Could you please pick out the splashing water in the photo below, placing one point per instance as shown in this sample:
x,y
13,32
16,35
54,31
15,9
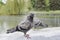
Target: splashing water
x,y
4,27
42,34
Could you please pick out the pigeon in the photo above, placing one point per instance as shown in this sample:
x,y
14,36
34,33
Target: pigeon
x,y
24,26
27,24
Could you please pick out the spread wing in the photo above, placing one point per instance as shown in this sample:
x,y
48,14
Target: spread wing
x,y
39,24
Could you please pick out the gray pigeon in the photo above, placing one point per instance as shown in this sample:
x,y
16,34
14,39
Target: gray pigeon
x,y
24,26
27,24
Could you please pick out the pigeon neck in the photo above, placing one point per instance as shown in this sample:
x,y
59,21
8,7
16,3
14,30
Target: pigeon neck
x,y
30,19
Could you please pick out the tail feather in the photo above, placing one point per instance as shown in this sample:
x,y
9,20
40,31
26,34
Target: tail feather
x,y
11,30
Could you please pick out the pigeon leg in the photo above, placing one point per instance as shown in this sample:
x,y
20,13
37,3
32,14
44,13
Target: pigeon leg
x,y
27,36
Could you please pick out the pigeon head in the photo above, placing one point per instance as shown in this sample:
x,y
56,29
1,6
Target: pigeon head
x,y
30,17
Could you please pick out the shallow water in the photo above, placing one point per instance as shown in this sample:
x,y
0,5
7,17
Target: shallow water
x,y
7,22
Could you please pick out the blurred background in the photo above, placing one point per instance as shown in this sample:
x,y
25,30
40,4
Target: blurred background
x,y
12,12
